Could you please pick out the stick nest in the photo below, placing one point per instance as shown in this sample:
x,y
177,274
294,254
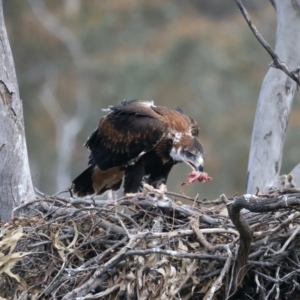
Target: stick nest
x,y
152,246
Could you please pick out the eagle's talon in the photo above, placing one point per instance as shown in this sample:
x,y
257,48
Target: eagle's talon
x,y
132,195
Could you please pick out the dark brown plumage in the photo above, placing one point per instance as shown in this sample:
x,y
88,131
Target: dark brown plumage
x,y
141,142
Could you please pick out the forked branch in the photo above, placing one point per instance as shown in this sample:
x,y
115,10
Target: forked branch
x,y
276,62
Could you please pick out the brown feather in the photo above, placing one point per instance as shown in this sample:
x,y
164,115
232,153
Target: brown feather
x,y
105,180
124,133
176,120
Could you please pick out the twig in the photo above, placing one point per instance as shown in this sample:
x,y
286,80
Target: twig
x,y
123,226
78,292
130,219
296,284
173,253
218,283
276,63
177,233
192,268
287,276
32,202
277,284
97,259
179,195
49,288
271,291
195,226
289,220
269,278
101,294
259,286
288,241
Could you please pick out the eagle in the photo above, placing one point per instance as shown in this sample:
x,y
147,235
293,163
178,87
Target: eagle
x,y
138,142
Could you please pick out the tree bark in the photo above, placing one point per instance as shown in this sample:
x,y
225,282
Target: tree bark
x,y
15,180
275,101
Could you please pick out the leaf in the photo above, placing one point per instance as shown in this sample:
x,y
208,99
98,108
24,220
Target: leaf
x,y
57,244
130,288
7,262
11,239
194,245
79,255
17,277
44,235
181,246
75,236
161,271
173,272
140,270
35,293
130,276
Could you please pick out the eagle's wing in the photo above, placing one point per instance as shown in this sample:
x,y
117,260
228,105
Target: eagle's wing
x,y
124,134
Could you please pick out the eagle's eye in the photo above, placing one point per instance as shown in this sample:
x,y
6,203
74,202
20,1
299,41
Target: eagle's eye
x,y
188,153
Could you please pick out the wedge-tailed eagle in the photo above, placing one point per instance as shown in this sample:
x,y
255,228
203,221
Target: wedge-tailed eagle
x,y
138,142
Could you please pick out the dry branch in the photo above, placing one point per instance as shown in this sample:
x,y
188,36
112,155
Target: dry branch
x,y
276,62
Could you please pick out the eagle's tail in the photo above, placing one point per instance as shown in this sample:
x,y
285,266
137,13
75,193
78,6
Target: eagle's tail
x,y
83,184
95,181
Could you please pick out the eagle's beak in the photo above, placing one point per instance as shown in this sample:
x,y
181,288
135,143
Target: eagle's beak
x,y
198,164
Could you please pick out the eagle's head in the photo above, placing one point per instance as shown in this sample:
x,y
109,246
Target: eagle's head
x,y
188,149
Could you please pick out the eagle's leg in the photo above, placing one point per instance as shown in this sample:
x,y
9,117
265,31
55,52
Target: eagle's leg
x,y
160,177
133,178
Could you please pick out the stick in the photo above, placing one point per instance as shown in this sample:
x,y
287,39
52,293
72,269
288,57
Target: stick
x,y
288,241
186,278
276,63
218,283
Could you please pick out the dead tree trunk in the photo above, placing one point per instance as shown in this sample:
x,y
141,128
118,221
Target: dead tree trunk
x,y
275,101
15,180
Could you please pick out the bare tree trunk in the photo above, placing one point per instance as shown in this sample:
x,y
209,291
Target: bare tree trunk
x,y
275,101
15,180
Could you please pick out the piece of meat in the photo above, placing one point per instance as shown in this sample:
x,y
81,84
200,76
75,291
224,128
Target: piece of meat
x,y
197,176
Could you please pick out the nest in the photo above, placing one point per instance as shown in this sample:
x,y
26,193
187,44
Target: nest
x,y
152,246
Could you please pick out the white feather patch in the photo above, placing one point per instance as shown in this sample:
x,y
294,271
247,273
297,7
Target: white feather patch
x,y
176,154
106,109
149,103
190,131
176,136
142,153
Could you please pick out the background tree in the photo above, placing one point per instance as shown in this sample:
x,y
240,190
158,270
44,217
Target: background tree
x,y
15,180
275,101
